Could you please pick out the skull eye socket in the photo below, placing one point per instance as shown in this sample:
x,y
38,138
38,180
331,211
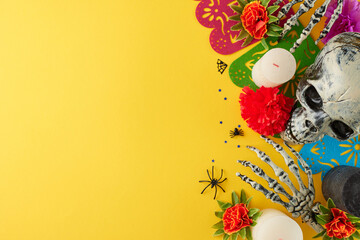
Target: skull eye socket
x,y
341,130
312,98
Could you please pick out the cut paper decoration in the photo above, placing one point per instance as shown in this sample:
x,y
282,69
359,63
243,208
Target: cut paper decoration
x,y
328,153
213,181
337,223
255,19
240,69
215,14
221,66
348,21
236,218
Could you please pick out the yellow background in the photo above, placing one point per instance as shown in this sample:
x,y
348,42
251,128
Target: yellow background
x,y
110,115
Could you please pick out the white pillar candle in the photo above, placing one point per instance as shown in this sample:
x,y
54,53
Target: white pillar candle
x,y
276,67
275,225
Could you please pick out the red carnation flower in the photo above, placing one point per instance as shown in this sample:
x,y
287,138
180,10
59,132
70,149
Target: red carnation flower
x,y
265,111
235,218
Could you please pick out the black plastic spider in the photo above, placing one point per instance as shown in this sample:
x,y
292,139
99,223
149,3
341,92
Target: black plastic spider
x,y
213,181
236,132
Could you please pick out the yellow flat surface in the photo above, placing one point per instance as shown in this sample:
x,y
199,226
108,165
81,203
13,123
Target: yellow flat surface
x,y
110,115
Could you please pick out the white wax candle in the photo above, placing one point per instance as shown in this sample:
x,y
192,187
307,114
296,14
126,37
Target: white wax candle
x,y
276,67
275,225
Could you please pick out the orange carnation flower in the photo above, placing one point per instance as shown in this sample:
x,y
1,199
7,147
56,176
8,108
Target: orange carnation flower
x,y
340,227
254,18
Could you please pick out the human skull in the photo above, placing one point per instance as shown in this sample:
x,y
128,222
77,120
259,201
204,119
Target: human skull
x,y
329,94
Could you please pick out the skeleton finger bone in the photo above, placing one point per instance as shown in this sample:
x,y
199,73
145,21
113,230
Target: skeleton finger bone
x,y
307,171
304,7
272,182
286,8
279,172
315,18
333,18
289,162
268,194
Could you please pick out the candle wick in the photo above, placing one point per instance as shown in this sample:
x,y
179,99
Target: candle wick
x,y
276,65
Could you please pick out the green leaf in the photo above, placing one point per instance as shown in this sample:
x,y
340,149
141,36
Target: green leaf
x,y
219,214
356,235
226,237
324,210
247,42
272,9
220,203
263,42
218,225
253,224
234,198
275,28
242,3
326,237
326,217
248,201
264,2
226,206
243,194
243,34
237,27
235,17
357,225
320,220
272,19
248,234
223,205
252,211
320,234
237,8
353,218
331,203
272,33
243,233
234,236
256,216
219,232
351,238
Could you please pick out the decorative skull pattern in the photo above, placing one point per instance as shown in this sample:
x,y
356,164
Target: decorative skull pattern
x,y
329,94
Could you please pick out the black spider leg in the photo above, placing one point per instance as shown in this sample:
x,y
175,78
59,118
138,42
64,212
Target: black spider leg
x,y
221,187
222,180
221,175
208,174
215,191
205,188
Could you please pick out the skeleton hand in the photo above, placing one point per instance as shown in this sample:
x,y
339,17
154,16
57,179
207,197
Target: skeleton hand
x,y
315,18
301,201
